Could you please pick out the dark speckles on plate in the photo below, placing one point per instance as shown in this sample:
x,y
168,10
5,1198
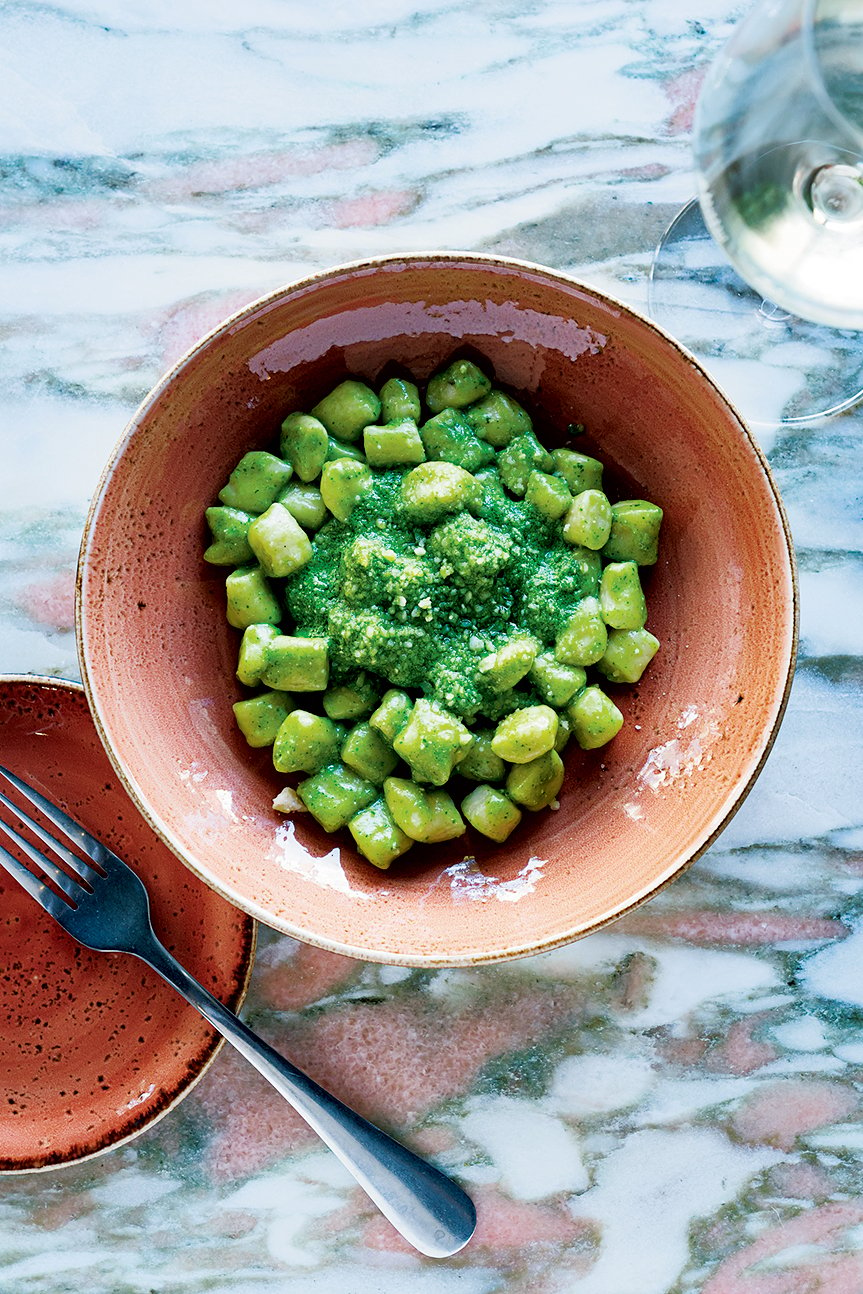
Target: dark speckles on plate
x,y
92,1050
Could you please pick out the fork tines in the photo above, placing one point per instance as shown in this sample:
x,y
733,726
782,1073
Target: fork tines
x,y
83,873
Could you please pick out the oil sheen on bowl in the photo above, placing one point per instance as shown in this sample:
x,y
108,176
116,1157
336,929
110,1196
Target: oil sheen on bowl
x,y
159,658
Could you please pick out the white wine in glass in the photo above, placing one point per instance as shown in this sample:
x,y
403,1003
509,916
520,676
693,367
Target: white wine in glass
x,y
779,157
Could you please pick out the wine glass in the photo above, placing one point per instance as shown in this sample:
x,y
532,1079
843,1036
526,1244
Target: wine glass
x,y
763,276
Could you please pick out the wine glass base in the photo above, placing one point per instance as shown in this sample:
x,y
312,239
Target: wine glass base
x,y
775,367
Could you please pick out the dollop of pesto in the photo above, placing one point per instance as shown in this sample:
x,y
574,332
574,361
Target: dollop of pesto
x,y
422,605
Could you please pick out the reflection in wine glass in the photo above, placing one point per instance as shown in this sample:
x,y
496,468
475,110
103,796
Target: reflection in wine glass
x,y
763,277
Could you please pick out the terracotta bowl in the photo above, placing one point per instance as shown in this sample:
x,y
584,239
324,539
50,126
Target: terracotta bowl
x,y
94,1048
159,658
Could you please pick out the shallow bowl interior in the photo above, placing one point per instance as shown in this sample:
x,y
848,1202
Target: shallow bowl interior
x,y
159,658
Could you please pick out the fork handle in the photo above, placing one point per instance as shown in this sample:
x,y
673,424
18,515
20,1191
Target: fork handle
x,y
424,1205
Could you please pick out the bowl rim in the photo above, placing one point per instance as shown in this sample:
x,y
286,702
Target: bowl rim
x,y
429,258
213,1048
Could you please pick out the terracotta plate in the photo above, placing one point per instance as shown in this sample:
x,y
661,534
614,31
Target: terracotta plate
x,y
95,1047
159,658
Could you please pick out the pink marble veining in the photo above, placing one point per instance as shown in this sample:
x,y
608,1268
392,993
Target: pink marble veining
x,y
669,1107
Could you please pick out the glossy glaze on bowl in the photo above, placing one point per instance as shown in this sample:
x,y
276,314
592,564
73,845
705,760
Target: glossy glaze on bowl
x,y
95,1047
159,658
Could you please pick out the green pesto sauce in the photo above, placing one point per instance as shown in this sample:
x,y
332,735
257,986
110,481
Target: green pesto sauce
x,y
420,606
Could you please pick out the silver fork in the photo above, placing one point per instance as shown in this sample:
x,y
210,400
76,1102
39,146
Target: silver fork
x,y
108,910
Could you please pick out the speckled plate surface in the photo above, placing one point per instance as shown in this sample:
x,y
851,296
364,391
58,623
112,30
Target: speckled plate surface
x,y
95,1047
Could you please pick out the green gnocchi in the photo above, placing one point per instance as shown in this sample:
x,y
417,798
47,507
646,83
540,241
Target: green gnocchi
x,y
423,590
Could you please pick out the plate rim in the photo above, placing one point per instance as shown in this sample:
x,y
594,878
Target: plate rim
x,y
213,1048
789,575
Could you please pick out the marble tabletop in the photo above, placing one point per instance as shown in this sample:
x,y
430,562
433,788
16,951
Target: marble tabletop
x,y
673,1105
